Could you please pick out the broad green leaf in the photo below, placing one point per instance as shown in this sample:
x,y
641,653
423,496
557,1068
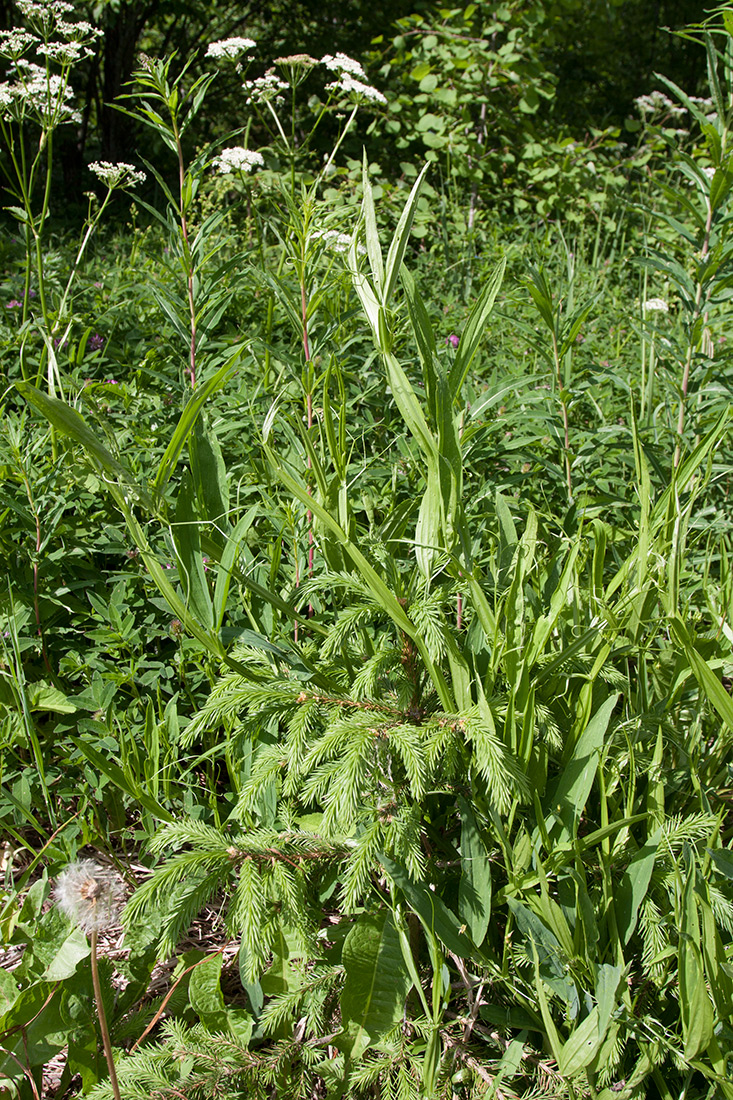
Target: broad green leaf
x,y
204,992
431,909
474,329
706,678
723,860
9,990
474,889
74,948
607,983
696,1007
43,696
581,1047
71,423
373,246
209,476
401,236
579,772
410,408
550,958
190,563
634,885
427,528
227,561
376,983
188,419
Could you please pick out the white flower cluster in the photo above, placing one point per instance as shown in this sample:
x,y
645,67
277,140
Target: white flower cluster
x,y
350,86
657,103
66,53
36,92
264,87
117,175
656,305
13,44
237,159
709,172
231,48
78,30
44,12
89,895
343,64
338,242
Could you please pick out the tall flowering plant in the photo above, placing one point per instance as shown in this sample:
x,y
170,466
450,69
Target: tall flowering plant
x,y
36,98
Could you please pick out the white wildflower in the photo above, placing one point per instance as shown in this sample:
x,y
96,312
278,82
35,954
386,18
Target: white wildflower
x,y
44,12
355,87
237,159
89,895
37,92
343,64
296,60
658,103
709,172
66,53
117,175
231,48
656,305
79,30
338,242
15,43
264,87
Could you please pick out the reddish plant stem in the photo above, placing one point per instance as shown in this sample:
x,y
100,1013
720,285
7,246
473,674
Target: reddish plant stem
x,y
102,1017
309,421
189,267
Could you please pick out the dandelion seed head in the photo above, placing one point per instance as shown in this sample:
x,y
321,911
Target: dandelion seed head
x,y
89,895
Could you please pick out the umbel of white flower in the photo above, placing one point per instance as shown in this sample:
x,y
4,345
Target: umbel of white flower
x,y
231,48
237,159
37,93
89,895
117,175
340,63
656,305
348,84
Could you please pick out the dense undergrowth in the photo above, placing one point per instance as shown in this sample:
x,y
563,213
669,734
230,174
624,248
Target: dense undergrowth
x,y
368,608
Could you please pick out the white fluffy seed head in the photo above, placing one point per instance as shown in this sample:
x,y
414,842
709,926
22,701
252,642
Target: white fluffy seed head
x,y
89,895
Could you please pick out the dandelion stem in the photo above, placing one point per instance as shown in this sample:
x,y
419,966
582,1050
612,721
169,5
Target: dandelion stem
x,y
102,1017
